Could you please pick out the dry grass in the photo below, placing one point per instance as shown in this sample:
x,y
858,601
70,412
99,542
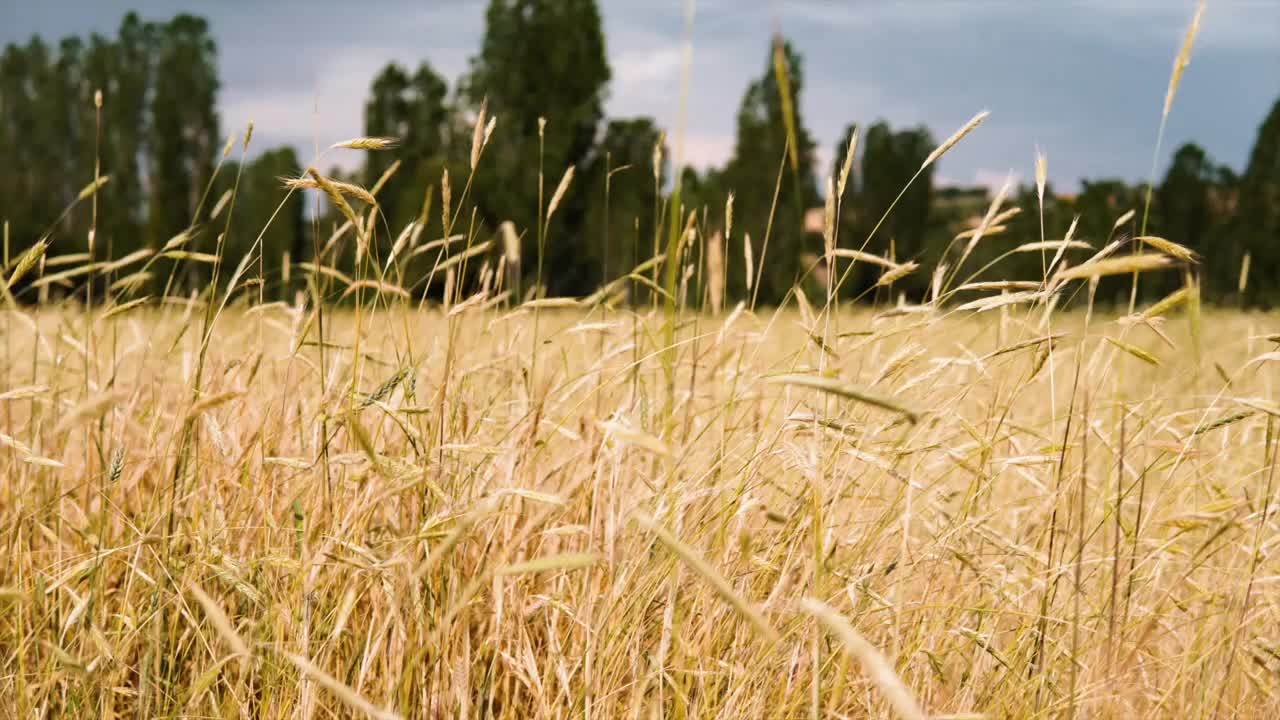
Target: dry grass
x,y
215,553
216,507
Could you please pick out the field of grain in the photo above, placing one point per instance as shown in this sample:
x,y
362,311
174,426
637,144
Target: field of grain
x,y
462,498
548,512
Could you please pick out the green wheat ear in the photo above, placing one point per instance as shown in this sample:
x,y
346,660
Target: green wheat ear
x,y
299,523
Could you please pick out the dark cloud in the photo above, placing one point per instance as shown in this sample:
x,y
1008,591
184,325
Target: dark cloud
x,y
1085,81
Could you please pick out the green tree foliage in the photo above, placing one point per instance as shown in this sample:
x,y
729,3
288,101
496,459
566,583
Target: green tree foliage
x,y
413,110
1259,217
1185,197
994,258
890,159
1100,205
1191,202
61,104
117,224
264,208
46,137
184,138
540,59
127,123
1026,228
49,135
32,158
620,223
159,142
386,114
752,175
707,193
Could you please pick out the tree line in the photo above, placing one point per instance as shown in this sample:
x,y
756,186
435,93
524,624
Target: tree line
x,y
542,71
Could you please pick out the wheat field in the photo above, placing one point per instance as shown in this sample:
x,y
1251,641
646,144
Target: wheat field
x,y
536,512
1006,501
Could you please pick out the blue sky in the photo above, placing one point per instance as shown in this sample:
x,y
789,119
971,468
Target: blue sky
x,y
1085,81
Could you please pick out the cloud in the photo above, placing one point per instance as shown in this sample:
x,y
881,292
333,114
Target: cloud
x,y
1238,25
704,150
646,67
1085,80
993,180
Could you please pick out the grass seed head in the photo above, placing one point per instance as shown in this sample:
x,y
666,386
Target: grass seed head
x,y
1042,174
561,189
847,166
1183,59
365,143
956,137
478,135
1168,247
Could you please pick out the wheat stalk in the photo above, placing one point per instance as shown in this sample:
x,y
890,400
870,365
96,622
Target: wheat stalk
x,y
956,137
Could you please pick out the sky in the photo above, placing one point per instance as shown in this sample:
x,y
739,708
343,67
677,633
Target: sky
x,y
1084,81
